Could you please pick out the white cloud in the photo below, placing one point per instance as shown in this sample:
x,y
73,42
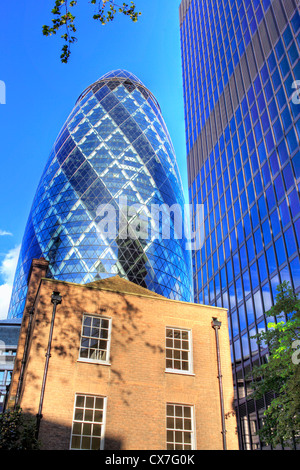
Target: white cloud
x,y
5,294
7,272
4,232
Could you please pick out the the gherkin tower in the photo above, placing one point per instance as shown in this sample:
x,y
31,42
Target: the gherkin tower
x,y
113,145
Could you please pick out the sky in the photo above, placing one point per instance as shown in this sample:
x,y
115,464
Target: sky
x,y
40,93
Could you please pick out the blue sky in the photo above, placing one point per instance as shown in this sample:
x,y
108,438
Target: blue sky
x,y
41,92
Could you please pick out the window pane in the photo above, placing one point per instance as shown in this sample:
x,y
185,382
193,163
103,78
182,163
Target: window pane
x,y
250,311
271,259
280,251
295,269
262,268
95,443
290,241
77,428
80,400
89,403
75,444
79,414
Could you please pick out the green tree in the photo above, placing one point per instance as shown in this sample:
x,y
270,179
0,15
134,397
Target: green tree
x,y
17,431
104,12
281,373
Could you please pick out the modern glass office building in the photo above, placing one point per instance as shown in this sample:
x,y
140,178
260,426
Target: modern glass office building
x,y
240,69
113,151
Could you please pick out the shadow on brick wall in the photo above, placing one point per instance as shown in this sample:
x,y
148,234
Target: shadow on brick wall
x,y
66,344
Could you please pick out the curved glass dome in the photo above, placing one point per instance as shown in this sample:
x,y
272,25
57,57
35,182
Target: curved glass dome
x,y
114,144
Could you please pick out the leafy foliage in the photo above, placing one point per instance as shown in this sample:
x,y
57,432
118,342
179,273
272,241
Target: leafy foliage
x,y
281,374
105,12
17,431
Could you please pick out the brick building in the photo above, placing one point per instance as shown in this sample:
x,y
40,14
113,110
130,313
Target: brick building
x,y
111,365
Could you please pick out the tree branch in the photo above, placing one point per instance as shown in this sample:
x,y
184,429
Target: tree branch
x,y
63,18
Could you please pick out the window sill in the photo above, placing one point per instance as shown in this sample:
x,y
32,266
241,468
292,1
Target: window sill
x,y
180,372
94,361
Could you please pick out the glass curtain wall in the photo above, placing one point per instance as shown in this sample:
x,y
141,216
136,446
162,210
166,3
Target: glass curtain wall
x,y
240,69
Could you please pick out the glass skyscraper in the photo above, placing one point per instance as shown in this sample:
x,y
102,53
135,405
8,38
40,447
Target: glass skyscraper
x,y
240,69
114,145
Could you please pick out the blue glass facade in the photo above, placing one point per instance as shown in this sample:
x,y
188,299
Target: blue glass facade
x,y
114,144
240,64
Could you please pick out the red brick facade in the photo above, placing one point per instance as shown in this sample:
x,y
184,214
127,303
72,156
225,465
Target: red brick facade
x,y
134,381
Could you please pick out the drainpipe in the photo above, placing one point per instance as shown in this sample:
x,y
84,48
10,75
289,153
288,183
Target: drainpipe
x,y
216,325
24,359
55,300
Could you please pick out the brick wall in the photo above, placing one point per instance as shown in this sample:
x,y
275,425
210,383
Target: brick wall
x,y
135,382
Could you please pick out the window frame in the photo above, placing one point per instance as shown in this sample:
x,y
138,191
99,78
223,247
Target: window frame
x,y
103,423
108,339
190,370
193,425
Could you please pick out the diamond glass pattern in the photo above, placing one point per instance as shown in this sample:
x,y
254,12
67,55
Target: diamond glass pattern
x,y
114,143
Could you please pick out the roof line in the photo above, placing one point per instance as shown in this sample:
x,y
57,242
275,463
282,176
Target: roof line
x,y
122,79
156,297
